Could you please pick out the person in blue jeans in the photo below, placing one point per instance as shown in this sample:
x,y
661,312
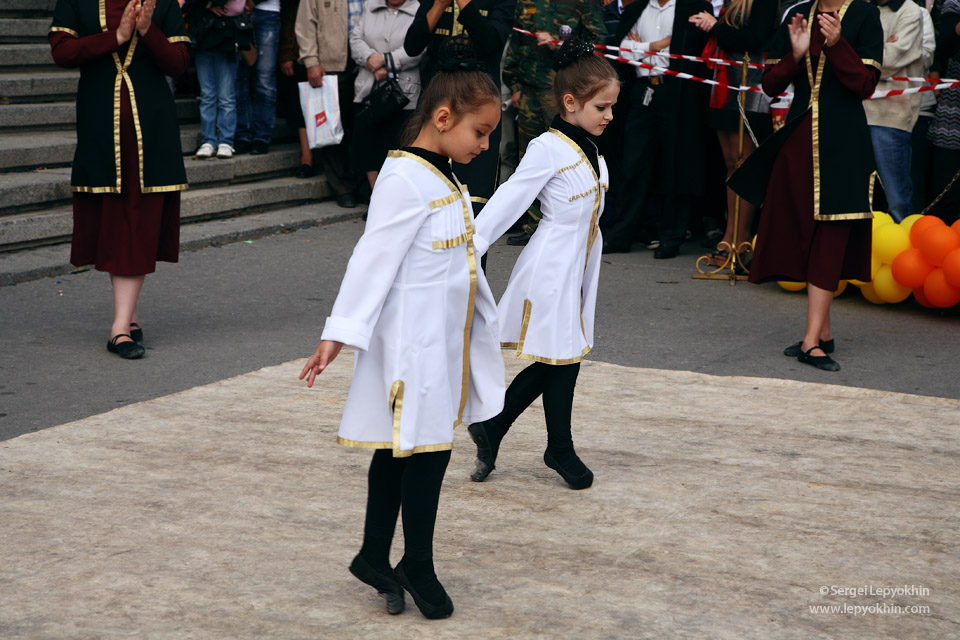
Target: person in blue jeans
x,y
257,105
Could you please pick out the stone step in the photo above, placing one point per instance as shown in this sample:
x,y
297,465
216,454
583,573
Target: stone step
x,y
63,115
25,57
55,225
41,189
24,8
34,149
20,30
40,86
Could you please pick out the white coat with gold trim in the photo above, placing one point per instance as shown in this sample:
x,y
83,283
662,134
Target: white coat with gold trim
x,y
419,312
547,312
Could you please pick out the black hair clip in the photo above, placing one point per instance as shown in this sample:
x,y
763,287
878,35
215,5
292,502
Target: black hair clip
x,y
572,50
458,54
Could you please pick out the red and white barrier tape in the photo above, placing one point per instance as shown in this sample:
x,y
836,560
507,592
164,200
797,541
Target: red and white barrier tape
x,y
903,92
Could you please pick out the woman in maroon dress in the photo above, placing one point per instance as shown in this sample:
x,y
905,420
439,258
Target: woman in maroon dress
x,y
813,175
128,166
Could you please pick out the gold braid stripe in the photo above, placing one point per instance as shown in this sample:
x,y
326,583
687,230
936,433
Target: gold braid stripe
x,y
65,30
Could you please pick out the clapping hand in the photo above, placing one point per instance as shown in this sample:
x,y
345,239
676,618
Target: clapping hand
x,y
145,15
128,22
830,26
799,36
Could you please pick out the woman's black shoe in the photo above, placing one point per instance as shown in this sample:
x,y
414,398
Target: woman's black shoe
x,y
386,585
428,609
487,437
576,479
347,201
136,334
825,363
127,350
794,350
305,171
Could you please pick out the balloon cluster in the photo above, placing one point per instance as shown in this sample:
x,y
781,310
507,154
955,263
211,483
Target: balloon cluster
x,y
920,255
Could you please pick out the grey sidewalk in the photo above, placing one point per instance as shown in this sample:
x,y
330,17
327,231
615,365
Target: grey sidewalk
x,y
227,511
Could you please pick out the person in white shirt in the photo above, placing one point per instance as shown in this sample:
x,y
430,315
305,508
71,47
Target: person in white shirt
x,y
421,317
664,137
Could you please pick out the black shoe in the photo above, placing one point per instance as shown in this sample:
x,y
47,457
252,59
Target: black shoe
x,y
576,480
519,240
305,171
127,350
487,437
825,363
259,148
429,610
386,585
609,247
347,201
794,350
241,147
665,253
136,334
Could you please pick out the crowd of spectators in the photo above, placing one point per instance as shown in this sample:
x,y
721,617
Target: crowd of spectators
x,y
673,142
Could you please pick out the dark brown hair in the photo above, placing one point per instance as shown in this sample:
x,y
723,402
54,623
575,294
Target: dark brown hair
x,y
464,91
583,79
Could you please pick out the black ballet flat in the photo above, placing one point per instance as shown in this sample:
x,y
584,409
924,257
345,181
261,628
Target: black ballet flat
x,y
136,334
826,363
486,450
794,350
582,481
429,610
386,585
126,350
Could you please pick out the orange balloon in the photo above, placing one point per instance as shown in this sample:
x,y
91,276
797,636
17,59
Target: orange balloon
x,y
911,269
922,225
921,298
956,226
936,242
938,290
951,268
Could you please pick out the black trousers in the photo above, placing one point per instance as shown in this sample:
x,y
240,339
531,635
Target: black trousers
x,y
556,384
650,152
412,483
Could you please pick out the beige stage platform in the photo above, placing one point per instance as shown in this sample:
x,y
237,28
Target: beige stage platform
x,y
722,508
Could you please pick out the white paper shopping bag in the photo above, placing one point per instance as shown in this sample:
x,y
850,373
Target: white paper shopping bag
x,y
321,112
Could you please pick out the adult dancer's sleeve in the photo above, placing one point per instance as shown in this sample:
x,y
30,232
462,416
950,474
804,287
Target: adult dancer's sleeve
x,y
166,41
514,196
396,213
857,64
780,69
68,49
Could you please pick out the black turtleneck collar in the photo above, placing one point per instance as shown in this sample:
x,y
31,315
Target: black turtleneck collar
x,y
581,137
440,161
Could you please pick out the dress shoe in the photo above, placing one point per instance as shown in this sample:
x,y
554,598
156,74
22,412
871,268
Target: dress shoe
x,y
136,333
794,350
443,606
576,478
259,148
241,147
665,253
386,585
519,240
347,201
128,350
305,171
610,247
487,436
825,363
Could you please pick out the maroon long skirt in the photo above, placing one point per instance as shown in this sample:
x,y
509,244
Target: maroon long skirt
x,y
127,233
791,245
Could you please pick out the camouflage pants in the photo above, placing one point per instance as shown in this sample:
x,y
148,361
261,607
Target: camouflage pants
x,y
534,115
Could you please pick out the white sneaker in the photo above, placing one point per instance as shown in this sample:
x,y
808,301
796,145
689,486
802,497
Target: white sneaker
x,y
205,151
224,151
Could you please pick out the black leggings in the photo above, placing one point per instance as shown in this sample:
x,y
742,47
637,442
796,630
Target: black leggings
x,y
556,383
413,483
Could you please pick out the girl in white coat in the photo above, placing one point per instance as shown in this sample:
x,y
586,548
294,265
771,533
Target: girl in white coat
x,y
422,319
546,313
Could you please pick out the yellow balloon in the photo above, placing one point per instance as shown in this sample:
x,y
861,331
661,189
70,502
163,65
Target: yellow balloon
x,y
875,265
792,286
907,223
881,218
889,241
841,288
888,289
870,294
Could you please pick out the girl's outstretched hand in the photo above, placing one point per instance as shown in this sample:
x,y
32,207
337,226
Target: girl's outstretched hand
x,y
324,355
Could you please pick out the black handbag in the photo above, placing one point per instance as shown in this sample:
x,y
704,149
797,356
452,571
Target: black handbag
x,y
386,98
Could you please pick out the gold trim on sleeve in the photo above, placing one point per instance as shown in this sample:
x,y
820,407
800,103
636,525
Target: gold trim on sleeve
x,y
872,63
65,30
772,61
175,39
